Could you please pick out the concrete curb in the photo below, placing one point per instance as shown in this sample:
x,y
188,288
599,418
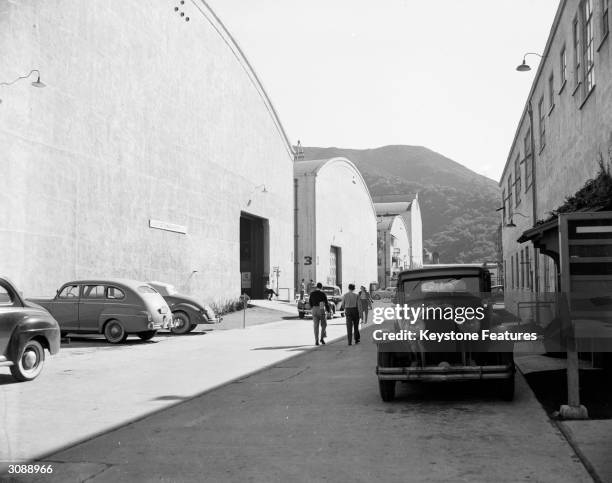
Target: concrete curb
x,y
569,437
45,456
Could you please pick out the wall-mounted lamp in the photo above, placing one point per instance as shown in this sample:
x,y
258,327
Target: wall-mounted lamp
x,y
36,83
511,223
524,67
264,190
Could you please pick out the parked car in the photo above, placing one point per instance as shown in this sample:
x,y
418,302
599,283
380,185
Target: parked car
x,y
334,296
113,307
449,359
26,330
187,312
384,293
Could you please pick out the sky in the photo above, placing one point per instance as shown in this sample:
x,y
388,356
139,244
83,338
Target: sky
x,y
368,73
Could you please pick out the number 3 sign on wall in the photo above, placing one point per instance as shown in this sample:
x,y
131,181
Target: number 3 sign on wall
x,y
307,260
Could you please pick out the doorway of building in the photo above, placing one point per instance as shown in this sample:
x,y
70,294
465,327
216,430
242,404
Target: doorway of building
x,y
335,266
254,250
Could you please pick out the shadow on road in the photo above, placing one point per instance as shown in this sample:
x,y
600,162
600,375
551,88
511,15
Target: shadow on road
x,y
101,342
6,379
279,347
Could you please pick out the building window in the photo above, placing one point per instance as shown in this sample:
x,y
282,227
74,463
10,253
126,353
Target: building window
x,y
589,47
527,269
510,197
551,92
563,66
516,267
576,41
504,206
512,270
505,275
522,271
528,159
517,180
541,125
605,19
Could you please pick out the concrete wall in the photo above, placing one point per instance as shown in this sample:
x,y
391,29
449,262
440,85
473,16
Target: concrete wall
x,y
335,209
145,116
578,129
416,234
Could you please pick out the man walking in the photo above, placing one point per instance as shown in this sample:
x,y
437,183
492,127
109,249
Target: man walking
x,y
350,301
320,307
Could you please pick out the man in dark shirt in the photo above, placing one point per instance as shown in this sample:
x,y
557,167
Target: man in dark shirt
x,y
320,307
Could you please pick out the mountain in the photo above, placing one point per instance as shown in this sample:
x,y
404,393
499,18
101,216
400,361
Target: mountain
x,y
457,204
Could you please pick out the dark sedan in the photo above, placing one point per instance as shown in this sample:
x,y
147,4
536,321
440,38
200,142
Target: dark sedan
x,y
26,330
187,312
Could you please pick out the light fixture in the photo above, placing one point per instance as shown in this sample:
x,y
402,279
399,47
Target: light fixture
x,y
36,83
264,190
511,224
524,66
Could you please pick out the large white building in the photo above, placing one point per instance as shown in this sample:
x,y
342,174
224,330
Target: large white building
x,y
400,237
335,224
153,152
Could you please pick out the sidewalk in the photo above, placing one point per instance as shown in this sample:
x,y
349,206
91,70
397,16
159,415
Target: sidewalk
x,y
591,439
83,392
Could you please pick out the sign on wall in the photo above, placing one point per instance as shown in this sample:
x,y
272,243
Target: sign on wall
x,y
245,279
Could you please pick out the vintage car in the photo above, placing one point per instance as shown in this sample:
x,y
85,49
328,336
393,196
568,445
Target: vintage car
x,y
456,355
334,296
113,307
187,312
26,330
384,293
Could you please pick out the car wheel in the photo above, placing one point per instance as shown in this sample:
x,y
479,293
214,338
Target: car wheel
x,y
301,315
148,335
114,332
387,390
182,324
30,362
505,388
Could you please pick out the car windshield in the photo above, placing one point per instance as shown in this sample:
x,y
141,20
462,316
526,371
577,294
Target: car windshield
x,y
459,284
328,290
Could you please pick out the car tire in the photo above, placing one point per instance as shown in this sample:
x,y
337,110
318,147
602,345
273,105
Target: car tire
x,y
387,390
505,388
147,335
182,323
114,332
301,315
30,362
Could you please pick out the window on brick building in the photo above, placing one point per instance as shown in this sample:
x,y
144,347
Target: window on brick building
x,y
563,66
589,46
551,92
528,159
605,18
577,53
510,209
517,180
541,124
522,271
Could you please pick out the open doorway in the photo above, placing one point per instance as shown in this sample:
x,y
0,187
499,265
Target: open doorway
x,y
335,266
254,252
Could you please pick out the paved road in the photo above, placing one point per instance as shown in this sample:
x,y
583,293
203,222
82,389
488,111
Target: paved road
x,y
92,386
318,417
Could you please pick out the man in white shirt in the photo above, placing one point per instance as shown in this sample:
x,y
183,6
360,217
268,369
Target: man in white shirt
x,y
350,301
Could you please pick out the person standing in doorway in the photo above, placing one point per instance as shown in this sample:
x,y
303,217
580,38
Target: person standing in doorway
x,y
365,304
350,301
302,289
320,308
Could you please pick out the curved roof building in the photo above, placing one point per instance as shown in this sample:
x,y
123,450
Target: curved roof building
x,y
153,153
335,224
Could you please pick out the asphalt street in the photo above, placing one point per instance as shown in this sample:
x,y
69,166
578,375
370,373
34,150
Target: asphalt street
x,y
318,417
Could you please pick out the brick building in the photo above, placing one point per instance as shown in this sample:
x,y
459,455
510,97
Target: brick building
x,y
563,133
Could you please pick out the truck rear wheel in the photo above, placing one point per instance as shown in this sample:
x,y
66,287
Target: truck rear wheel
x,y
387,390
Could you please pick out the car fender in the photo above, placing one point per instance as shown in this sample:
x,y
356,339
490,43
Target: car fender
x,y
46,331
131,317
195,314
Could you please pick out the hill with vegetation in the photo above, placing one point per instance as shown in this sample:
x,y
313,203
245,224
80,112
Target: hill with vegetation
x,y
457,204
